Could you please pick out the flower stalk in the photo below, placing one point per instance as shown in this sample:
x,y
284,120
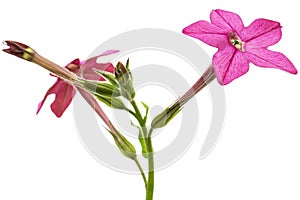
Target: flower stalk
x,y
207,77
27,53
171,111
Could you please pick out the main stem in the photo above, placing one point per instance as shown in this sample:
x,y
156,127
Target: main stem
x,y
142,123
150,188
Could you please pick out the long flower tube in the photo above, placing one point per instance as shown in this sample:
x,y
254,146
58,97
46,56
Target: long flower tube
x,y
27,53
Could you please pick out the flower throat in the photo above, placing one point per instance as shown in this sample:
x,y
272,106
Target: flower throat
x,y
236,41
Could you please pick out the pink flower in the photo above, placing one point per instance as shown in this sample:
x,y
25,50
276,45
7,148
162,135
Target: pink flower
x,y
238,45
65,92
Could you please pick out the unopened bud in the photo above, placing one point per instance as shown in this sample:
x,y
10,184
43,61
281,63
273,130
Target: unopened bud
x,y
124,78
20,50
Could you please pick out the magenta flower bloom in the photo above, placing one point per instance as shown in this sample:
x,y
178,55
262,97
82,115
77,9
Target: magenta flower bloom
x,y
65,92
238,45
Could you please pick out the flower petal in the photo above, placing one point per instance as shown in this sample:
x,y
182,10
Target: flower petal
x,y
228,21
221,61
229,64
259,28
264,40
86,67
64,94
89,73
74,66
271,59
207,33
108,52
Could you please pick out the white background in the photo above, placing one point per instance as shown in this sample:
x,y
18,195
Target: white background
x,y
41,157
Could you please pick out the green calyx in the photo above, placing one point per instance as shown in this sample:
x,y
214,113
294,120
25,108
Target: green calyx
x,y
101,88
166,116
113,102
126,148
105,92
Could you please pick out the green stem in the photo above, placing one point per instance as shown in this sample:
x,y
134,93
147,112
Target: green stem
x,y
131,112
137,112
142,172
150,186
142,123
139,118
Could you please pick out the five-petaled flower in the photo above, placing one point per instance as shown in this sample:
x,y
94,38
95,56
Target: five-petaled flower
x,y
238,45
65,92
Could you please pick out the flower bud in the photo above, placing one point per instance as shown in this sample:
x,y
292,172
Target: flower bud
x,y
124,79
20,50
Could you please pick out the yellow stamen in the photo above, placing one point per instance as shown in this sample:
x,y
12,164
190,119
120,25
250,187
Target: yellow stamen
x,y
236,41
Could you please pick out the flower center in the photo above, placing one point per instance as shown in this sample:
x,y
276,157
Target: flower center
x,y
236,41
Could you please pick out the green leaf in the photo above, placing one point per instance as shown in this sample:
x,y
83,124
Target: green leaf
x,y
142,141
147,111
107,75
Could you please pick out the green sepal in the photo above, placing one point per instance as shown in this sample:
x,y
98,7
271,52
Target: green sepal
x,y
126,148
107,90
165,117
113,102
127,65
101,88
107,75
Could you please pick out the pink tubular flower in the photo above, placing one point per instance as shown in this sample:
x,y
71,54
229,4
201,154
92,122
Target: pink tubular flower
x,y
65,92
238,45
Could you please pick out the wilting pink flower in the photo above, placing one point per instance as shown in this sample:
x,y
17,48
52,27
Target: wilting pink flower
x,y
238,45
65,92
